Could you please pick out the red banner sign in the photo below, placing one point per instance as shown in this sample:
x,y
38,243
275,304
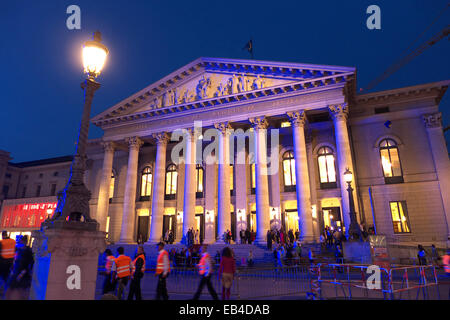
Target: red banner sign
x,y
29,215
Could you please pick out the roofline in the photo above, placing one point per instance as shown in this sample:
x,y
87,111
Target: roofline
x,y
41,162
430,85
202,60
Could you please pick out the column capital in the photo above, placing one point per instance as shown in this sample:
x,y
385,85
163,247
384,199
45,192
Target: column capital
x,y
432,120
134,142
259,122
223,127
338,111
108,146
162,138
297,118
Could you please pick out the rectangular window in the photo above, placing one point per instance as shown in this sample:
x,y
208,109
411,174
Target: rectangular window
x,y
5,191
231,179
38,191
400,217
53,189
24,191
252,178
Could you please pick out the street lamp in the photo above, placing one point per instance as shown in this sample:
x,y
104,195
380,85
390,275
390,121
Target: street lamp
x,y
73,201
354,227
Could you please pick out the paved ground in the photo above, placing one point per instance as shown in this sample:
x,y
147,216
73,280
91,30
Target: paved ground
x,y
293,284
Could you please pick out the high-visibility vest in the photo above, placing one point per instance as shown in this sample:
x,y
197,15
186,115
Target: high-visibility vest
x,y
123,266
8,248
134,264
446,262
108,264
160,262
202,264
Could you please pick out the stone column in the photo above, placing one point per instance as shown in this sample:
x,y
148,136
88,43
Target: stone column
x,y
224,215
189,182
298,120
129,198
103,193
433,125
260,125
339,114
210,199
158,188
240,192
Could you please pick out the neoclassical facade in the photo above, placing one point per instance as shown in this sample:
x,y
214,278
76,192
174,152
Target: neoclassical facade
x,y
170,157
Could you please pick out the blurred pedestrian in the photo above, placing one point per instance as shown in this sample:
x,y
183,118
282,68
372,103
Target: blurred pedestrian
x,y
421,255
121,271
205,271
19,281
7,253
162,272
108,284
137,274
227,270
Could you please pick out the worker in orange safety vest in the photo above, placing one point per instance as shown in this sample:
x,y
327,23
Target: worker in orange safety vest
x,y
122,271
205,271
162,271
108,284
7,253
137,273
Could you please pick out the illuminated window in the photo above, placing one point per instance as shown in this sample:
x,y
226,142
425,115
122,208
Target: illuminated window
x,y
390,161
289,171
199,181
252,178
285,124
327,170
146,183
171,182
231,179
111,186
400,217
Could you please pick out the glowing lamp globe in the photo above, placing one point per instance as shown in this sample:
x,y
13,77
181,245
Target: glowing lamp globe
x,y
94,56
348,176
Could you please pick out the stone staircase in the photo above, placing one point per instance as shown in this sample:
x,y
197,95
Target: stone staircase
x,y
261,255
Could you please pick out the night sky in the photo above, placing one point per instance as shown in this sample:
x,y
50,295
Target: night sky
x,y
41,98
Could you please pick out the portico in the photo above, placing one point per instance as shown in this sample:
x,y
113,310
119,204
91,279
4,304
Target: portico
x,y
225,96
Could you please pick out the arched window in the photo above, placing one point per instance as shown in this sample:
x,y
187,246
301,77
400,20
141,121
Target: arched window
x,y
289,171
390,161
199,181
111,186
171,182
146,183
327,169
252,178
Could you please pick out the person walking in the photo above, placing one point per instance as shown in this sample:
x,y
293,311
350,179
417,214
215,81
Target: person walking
x,y
205,271
196,237
137,273
162,272
108,284
227,270
7,253
434,256
19,282
421,255
121,271
269,240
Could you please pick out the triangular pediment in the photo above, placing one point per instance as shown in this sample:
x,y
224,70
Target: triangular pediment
x,y
207,78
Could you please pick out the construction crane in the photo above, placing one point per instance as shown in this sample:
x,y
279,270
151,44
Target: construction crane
x,y
392,69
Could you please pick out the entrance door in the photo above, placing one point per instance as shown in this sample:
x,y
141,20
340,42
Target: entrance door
x,y
332,218
251,218
200,226
291,220
233,226
142,232
169,223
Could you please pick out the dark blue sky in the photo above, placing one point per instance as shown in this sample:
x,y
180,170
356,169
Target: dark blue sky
x,y
41,61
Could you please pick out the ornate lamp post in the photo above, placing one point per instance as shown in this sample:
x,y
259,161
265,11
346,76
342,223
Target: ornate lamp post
x,y
73,201
67,246
354,229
